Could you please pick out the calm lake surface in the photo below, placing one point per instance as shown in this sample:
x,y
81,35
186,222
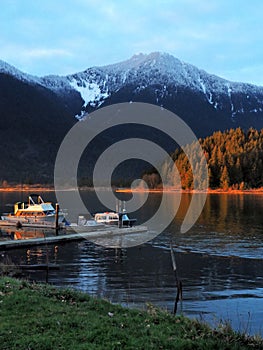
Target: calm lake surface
x,y
219,260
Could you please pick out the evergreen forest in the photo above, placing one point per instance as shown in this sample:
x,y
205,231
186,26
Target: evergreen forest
x,y
234,161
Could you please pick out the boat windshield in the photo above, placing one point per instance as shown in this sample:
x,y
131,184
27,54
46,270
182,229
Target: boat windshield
x,y
34,199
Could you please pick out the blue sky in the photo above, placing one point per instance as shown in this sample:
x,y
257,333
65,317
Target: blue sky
x,y
224,37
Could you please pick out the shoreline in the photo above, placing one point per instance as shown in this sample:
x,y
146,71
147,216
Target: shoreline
x,y
26,188
48,188
209,191
71,319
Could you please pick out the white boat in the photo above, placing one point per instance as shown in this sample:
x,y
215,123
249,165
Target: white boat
x,y
35,212
84,224
113,218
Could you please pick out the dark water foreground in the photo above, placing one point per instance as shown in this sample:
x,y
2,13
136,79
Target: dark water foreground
x,y
220,263
214,288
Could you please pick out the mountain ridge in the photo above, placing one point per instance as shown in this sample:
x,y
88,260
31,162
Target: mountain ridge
x,y
96,84
48,105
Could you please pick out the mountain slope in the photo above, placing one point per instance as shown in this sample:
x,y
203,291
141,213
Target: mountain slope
x,y
33,122
37,112
162,79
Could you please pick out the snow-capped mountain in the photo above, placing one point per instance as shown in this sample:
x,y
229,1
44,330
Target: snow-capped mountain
x,y
166,76
31,106
162,77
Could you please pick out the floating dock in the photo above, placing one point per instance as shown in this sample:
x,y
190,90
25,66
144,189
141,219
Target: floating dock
x,y
93,235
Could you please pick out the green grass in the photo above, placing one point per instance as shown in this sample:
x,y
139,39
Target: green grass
x,y
34,316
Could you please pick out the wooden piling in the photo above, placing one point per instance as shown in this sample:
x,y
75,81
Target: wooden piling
x,y
57,212
179,294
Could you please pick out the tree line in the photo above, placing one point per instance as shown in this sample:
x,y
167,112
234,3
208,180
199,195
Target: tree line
x,y
234,160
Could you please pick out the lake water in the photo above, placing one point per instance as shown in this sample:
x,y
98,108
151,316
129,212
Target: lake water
x,y
219,261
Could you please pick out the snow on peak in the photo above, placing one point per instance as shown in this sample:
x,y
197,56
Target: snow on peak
x,y
7,68
11,70
161,71
143,61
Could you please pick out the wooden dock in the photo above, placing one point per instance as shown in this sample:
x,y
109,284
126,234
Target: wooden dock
x,y
108,233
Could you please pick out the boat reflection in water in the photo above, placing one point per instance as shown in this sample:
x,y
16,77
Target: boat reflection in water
x,y
14,233
21,234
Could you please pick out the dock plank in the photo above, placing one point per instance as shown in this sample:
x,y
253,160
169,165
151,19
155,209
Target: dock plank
x,y
109,232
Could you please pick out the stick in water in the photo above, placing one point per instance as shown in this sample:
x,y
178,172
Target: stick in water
x,y
179,295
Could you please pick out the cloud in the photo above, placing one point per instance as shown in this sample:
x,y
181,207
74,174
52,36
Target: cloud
x,y
217,36
23,53
44,52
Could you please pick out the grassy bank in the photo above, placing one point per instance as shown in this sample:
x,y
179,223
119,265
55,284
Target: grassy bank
x,y
34,316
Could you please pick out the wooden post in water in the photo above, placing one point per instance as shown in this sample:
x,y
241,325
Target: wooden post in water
x,y
120,214
120,220
56,224
47,263
178,282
